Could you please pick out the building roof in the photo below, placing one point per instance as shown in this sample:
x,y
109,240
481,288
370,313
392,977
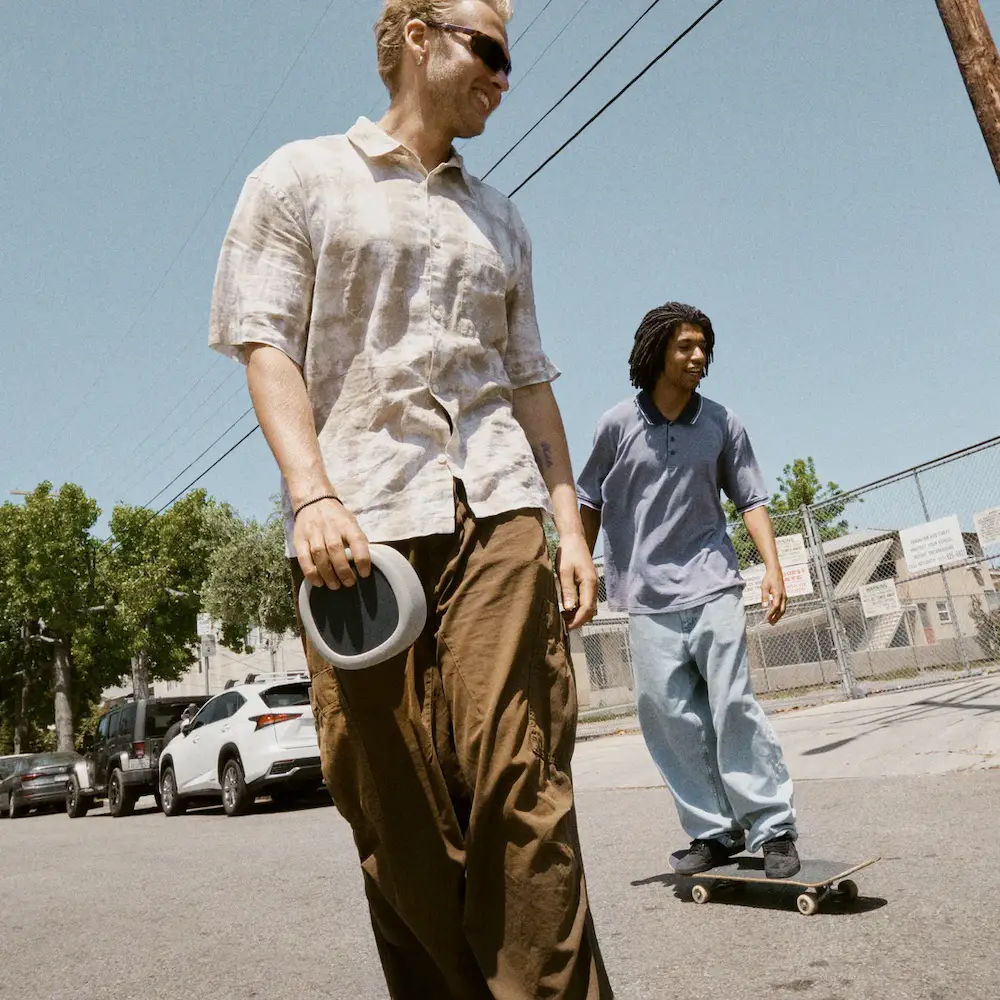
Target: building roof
x,y
856,539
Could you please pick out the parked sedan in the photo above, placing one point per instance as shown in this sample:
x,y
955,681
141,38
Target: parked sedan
x,y
38,779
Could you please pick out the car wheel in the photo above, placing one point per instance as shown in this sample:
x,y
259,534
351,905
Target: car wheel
x,y
77,804
236,798
170,801
15,811
121,798
158,799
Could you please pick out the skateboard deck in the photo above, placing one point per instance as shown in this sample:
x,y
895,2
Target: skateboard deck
x,y
820,879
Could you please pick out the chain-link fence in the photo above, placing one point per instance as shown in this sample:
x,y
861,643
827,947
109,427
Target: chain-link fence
x,y
893,583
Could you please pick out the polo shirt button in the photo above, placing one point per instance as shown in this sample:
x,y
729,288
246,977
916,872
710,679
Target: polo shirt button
x,y
437,244
442,459
437,312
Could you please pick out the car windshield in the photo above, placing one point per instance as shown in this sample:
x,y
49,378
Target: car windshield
x,y
50,760
160,717
286,695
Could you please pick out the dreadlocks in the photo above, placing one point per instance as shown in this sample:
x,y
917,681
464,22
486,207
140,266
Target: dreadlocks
x,y
648,353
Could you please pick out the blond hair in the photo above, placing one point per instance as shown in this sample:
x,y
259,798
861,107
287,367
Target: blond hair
x,y
391,26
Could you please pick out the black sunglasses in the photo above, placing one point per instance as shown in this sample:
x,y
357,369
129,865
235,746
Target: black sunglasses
x,y
489,50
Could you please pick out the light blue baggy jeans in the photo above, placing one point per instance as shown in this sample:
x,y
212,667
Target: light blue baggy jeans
x,y
710,739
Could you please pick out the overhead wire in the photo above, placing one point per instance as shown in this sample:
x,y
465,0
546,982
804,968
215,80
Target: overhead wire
x,y
149,470
156,496
604,55
593,118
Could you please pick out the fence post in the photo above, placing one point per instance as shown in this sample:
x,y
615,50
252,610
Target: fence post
x,y
826,593
955,623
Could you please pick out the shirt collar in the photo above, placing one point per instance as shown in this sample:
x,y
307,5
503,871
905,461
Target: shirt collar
x,y
373,142
689,415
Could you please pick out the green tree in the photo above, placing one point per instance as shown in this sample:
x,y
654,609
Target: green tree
x,y
47,585
249,586
156,570
798,485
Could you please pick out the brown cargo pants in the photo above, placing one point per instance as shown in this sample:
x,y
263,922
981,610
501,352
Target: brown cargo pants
x,y
451,764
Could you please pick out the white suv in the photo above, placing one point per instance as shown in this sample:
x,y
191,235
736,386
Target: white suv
x,y
256,738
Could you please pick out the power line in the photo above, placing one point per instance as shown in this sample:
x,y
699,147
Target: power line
x,y
201,475
607,52
159,423
547,5
159,285
249,409
521,77
151,466
590,121
562,31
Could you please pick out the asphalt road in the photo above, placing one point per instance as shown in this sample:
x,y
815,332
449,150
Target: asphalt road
x,y
270,905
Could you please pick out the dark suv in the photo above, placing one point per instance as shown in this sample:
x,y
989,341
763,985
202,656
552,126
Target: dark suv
x,y
121,762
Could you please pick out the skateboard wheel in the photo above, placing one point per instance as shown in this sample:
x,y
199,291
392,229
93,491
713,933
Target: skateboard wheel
x,y
807,904
700,894
848,890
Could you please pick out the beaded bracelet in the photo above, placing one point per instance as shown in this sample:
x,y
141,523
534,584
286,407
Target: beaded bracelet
x,y
309,503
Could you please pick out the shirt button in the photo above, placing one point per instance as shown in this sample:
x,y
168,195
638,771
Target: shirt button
x,y
437,312
437,244
442,459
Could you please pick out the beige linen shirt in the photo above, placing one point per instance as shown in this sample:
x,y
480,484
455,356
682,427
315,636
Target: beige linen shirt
x,y
406,298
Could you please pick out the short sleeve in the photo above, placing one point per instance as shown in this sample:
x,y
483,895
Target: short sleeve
x,y
264,280
739,473
524,360
590,484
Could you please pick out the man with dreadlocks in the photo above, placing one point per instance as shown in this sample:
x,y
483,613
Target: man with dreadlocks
x,y
653,479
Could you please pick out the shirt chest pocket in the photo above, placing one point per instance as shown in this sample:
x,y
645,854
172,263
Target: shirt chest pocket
x,y
482,295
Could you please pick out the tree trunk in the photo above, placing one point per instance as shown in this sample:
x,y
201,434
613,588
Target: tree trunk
x,y
63,704
140,675
21,714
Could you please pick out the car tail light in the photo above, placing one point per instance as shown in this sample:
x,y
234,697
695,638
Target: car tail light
x,y
273,718
32,777
139,750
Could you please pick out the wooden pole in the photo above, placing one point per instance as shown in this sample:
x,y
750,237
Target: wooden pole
x,y
979,63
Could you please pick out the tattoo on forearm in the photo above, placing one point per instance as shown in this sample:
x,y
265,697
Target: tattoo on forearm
x,y
546,449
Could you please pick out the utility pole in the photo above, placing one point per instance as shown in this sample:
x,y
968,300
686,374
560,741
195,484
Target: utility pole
x,y
977,57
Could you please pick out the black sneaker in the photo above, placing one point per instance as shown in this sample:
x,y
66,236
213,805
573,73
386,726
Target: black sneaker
x,y
781,859
705,854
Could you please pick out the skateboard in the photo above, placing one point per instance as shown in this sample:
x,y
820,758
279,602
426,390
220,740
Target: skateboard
x,y
821,880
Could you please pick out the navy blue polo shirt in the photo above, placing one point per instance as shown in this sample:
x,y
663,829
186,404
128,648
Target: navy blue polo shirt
x,y
657,484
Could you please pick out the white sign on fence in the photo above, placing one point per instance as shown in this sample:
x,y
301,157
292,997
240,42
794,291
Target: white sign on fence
x,y
792,551
937,543
987,524
798,581
754,577
879,598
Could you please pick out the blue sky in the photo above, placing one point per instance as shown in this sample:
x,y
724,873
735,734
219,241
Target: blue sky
x,y
809,173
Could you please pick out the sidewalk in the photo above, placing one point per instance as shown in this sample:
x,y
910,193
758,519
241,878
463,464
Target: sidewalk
x,y
924,731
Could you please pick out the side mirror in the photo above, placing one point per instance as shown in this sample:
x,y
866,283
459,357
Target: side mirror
x,y
186,727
